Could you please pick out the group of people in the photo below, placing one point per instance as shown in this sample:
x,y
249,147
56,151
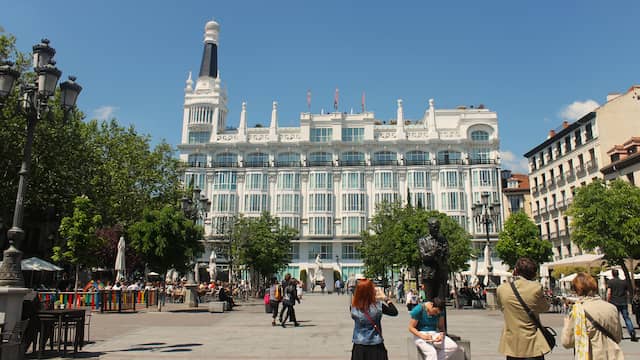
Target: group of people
x,y
287,292
591,328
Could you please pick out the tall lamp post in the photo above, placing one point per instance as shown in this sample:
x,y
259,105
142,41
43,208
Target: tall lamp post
x,y
194,208
34,95
488,213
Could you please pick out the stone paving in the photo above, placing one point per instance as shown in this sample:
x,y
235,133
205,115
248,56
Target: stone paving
x,y
246,333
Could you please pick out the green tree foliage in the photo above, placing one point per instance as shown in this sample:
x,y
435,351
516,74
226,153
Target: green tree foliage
x,y
262,244
559,271
520,238
79,235
394,234
166,239
607,216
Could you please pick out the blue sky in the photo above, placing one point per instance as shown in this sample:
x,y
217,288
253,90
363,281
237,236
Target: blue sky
x,y
534,63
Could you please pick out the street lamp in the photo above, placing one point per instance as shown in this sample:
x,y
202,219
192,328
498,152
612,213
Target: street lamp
x,y
34,95
487,213
196,209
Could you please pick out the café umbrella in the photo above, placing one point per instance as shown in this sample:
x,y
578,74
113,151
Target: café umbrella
x,y
120,260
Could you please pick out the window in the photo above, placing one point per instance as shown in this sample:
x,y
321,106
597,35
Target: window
x,y
451,179
256,203
354,202
542,162
323,180
516,203
257,159
290,221
453,200
321,202
479,135
419,179
353,225
353,180
321,135
588,132
320,225
385,158
195,180
567,144
485,177
461,220
288,203
352,158
222,225
199,137
386,180
257,181
578,137
226,159
225,180
320,158
325,250
550,154
197,160
288,181
294,253
558,149
353,135
388,198
225,202
592,156
422,200
449,157
349,251
289,159
480,156
417,158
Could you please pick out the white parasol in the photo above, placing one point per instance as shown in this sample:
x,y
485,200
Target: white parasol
x,y
196,273
487,259
120,261
474,272
212,266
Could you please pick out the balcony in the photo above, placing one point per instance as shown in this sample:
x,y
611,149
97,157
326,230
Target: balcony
x,y
352,163
562,204
255,164
543,210
551,183
553,235
449,161
592,166
225,164
319,163
481,161
570,175
412,162
535,212
552,207
534,189
197,164
560,180
563,233
382,162
288,164
580,170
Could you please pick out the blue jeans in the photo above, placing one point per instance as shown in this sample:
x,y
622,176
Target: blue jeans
x,y
623,309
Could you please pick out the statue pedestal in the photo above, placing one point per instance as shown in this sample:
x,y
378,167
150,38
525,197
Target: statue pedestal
x,y
492,299
11,305
191,297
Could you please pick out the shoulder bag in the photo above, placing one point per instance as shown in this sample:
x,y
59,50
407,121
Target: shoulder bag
x,y
548,333
375,326
600,327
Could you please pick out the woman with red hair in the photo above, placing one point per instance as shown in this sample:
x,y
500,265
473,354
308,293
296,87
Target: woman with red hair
x,y
367,307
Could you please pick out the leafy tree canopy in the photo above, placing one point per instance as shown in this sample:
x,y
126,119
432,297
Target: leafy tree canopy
x,y
520,238
79,235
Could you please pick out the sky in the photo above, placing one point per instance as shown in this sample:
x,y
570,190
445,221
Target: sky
x,y
534,63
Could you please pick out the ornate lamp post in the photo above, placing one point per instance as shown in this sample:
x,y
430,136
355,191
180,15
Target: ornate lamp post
x,y
488,213
194,208
34,104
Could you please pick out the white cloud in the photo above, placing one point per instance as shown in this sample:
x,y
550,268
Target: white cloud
x,y
105,112
578,109
513,162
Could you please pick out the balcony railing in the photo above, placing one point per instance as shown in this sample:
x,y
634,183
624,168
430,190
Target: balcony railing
x,y
591,166
288,163
197,164
552,207
256,164
535,212
534,189
412,162
563,232
352,163
449,162
319,163
543,210
384,162
550,183
481,161
580,170
570,175
559,179
562,204
553,235
225,164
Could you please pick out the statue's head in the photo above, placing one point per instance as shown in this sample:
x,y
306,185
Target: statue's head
x,y
434,226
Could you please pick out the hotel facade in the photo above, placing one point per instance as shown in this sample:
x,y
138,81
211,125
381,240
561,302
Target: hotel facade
x,y
325,176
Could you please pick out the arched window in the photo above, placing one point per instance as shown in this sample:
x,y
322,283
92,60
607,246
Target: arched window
x,y
385,158
226,159
417,157
479,135
320,159
197,160
352,158
257,160
448,157
288,159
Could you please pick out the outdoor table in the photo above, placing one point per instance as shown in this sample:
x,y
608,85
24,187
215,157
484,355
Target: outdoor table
x,y
63,316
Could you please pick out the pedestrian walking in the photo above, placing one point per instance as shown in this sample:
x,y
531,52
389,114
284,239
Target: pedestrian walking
x,y
400,291
593,328
283,285
412,299
338,286
617,292
427,327
367,306
288,303
635,305
521,338
275,297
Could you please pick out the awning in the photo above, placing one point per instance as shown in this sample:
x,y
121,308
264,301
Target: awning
x,y
37,264
568,278
579,260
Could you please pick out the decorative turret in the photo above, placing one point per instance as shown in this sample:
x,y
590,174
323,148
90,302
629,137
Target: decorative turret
x,y
273,126
209,65
242,127
400,121
430,121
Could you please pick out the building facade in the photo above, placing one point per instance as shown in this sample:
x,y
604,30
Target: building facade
x,y
516,193
570,157
624,162
325,176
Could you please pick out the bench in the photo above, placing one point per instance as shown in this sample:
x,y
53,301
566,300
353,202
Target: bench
x,y
463,344
217,306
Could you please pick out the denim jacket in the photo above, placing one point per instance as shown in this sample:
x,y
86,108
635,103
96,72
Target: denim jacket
x,y
363,331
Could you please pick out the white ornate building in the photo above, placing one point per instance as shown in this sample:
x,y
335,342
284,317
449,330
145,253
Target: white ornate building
x,y
325,176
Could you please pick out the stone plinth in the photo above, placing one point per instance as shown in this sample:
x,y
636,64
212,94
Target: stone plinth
x,y
492,299
191,297
11,305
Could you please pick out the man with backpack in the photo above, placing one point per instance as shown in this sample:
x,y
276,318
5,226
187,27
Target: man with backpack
x,y
275,297
283,285
288,302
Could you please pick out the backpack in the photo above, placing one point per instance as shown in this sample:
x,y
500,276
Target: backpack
x,y
279,293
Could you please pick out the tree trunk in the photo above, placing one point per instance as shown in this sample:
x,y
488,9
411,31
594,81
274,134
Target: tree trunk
x,y
75,288
628,276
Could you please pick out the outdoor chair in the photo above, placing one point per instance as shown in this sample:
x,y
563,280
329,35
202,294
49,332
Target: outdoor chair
x,y
73,324
47,332
87,322
13,339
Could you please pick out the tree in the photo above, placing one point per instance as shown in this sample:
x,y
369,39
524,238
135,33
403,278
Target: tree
x,y
393,236
607,217
520,238
166,239
262,244
78,231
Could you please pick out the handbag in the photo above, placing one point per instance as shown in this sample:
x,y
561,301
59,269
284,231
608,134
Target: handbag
x,y
375,326
600,328
548,333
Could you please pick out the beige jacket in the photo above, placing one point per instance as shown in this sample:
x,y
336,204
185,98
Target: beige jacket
x,y
602,348
521,337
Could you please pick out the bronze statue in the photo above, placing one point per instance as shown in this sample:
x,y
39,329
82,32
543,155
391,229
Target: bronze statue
x,y
434,251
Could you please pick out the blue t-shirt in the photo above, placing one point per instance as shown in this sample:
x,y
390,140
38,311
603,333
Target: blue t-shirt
x,y
426,322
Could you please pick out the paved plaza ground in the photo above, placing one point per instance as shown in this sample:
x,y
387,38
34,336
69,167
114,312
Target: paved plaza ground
x,y
246,333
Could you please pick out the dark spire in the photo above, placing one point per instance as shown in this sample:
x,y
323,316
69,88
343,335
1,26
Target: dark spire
x,y
209,65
